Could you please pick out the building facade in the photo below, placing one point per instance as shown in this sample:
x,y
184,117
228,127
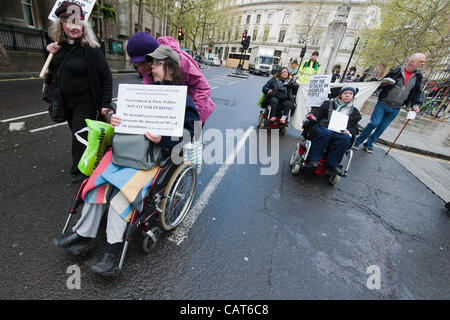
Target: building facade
x,y
290,25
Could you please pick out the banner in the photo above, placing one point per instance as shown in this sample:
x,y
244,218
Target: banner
x,y
366,89
86,5
155,108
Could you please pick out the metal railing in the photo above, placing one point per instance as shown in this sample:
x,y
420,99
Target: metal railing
x,y
22,38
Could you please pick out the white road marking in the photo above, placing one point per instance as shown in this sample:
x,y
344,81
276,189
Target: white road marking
x,y
16,126
25,116
180,233
49,127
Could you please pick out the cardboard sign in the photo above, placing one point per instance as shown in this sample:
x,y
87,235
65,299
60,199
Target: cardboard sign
x,y
338,121
318,90
86,5
411,115
156,108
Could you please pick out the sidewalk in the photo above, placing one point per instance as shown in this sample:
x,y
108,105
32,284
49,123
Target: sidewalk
x,y
423,148
29,66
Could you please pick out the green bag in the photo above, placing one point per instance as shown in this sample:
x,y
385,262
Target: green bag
x,y
100,135
260,101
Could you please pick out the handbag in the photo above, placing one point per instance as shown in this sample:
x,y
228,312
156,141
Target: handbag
x,y
53,95
135,151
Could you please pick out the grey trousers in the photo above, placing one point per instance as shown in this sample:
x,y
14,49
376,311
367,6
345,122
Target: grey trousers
x,y
90,220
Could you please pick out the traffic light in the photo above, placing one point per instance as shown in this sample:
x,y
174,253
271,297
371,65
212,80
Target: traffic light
x,y
180,33
244,38
302,54
247,42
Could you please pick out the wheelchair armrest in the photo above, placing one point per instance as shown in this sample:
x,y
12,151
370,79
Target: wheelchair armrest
x,y
166,158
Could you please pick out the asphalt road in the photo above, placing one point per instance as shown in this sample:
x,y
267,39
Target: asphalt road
x,y
256,236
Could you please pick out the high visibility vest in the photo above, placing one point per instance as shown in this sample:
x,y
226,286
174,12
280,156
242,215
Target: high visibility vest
x,y
307,70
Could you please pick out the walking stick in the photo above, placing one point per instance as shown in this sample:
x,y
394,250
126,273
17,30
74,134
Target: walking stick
x,y
397,136
46,64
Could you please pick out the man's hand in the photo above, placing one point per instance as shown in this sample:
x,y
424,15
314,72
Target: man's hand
x,y
152,137
270,92
53,47
416,109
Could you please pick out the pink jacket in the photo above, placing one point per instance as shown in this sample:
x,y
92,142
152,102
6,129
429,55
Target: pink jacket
x,y
198,87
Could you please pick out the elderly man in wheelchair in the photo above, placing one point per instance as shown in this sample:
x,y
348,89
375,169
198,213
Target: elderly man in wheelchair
x,y
278,101
324,146
137,182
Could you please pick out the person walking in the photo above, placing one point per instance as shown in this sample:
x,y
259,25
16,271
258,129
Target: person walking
x,y
85,79
309,68
401,86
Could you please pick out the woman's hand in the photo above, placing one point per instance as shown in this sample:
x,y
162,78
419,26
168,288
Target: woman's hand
x,y
115,120
53,47
152,137
269,92
346,132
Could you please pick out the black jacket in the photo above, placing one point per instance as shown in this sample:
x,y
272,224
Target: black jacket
x,y
414,95
99,74
273,84
322,115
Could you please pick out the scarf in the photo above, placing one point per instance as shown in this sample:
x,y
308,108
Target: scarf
x,y
342,106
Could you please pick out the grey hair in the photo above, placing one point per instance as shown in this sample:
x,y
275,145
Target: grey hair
x,y
415,57
56,32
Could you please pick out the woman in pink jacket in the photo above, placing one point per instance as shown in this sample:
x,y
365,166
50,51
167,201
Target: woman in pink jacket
x,y
140,44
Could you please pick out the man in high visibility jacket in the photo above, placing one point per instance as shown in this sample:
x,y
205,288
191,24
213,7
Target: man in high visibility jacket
x,y
309,68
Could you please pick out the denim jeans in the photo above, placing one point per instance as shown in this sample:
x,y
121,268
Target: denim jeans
x,y
381,118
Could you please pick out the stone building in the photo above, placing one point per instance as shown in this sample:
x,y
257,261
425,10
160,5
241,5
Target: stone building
x,y
24,24
290,25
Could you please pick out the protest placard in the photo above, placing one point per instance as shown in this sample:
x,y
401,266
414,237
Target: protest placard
x,y
86,5
155,108
318,90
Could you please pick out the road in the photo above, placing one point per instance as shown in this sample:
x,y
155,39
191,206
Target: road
x,y
253,236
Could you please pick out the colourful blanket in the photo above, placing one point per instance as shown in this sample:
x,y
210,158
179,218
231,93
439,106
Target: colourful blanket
x,y
131,183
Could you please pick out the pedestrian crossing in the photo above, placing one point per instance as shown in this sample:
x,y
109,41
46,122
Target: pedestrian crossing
x,y
223,80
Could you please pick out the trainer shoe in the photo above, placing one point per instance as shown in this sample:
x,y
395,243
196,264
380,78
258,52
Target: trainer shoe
x,y
355,146
369,150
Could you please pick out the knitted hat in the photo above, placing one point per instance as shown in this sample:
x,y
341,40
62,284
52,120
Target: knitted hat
x,y
348,89
66,10
163,52
139,45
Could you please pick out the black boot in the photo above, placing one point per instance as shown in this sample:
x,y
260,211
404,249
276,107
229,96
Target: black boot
x,y
107,265
66,239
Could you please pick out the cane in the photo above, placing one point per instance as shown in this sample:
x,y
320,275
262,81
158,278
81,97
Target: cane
x,y
397,136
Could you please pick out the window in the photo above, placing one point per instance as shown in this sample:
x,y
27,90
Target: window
x,y
258,19
277,53
236,34
255,34
27,14
266,33
248,19
287,18
282,35
239,20
233,49
269,18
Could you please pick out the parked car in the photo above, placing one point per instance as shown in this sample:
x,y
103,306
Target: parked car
x,y
187,50
212,61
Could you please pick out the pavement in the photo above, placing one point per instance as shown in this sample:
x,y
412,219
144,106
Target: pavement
x,y
422,148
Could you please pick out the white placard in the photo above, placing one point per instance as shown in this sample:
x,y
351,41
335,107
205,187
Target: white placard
x,y
86,5
338,121
318,90
156,108
411,115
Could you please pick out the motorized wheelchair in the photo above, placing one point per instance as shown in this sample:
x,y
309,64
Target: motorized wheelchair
x,y
166,204
300,153
264,121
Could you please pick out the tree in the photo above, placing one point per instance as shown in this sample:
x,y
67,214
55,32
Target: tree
x,y
406,27
309,12
108,14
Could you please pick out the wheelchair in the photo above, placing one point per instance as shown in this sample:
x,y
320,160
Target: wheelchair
x,y
264,121
300,153
165,205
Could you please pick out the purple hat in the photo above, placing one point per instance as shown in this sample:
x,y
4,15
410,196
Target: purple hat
x,y
139,45
66,10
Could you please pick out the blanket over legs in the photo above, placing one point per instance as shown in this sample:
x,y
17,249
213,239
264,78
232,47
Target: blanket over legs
x,y
124,187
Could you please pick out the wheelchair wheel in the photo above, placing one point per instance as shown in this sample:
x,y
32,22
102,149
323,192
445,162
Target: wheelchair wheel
x,y
295,169
294,155
178,196
334,179
148,244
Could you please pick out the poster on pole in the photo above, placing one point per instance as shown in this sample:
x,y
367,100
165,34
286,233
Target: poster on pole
x,y
86,6
156,108
318,90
